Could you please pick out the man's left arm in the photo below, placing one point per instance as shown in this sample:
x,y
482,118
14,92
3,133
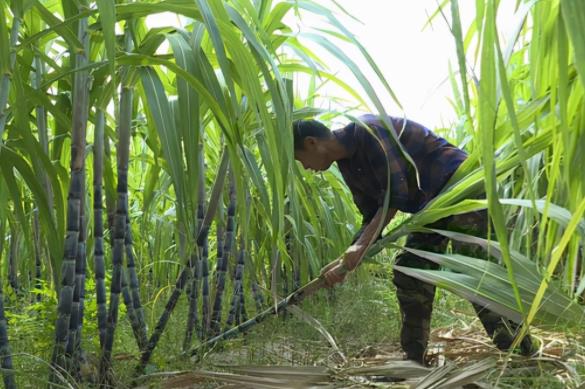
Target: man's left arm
x,y
355,253
337,271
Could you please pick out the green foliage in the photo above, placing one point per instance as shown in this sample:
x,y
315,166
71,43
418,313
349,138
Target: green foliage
x,y
527,116
225,80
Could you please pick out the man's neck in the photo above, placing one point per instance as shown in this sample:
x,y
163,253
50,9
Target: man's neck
x,y
336,149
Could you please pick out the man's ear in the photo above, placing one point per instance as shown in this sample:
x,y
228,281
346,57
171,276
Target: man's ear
x,y
309,143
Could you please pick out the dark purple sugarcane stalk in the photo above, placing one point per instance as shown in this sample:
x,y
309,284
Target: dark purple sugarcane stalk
x,y
184,275
293,299
238,284
258,298
98,229
76,320
74,201
194,267
119,230
222,261
13,261
37,246
5,351
138,323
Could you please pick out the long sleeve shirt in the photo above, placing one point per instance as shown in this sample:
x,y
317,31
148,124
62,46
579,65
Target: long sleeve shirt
x,y
371,158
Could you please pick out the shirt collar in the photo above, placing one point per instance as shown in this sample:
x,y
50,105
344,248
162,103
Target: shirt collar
x,y
346,136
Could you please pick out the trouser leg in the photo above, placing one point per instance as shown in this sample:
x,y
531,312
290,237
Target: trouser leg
x,y
416,297
501,330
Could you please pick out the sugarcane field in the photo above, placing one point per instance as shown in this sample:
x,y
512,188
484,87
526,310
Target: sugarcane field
x,y
292,194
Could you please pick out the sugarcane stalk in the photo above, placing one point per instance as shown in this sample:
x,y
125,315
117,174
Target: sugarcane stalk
x,y
119,230
258,298
192,294
220,227
204,266
223,256
74,201
67,272
296,266
183,276
74,338
194,268
131,290
81,98
238,286
80,273
359,249
98,230
13,260
284,280
130,284
130,312
41,119
5,351
242,314
117,265
201,265
139,325
37,247
293,299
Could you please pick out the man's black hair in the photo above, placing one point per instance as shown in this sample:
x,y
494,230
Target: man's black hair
x,y
305,128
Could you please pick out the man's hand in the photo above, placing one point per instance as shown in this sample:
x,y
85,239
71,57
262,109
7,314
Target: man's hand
x,y
330,265
334,273
353,256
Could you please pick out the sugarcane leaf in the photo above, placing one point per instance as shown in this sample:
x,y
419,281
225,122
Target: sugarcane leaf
x,y
346,34
107,15
273,21
554,261
211,23
397,369
574,16
246,380
318,326
304,374
144,60
12,185
151,179
188,117
57,25
122,11
452,376
528,278
39,98
158,106
9,161
299,68
468,288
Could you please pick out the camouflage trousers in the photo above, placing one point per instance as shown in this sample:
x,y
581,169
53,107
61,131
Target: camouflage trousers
x,y
416,297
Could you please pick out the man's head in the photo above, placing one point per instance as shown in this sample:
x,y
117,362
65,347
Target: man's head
x,y
313,144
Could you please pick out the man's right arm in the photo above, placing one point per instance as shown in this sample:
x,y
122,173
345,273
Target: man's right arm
x,y
367,207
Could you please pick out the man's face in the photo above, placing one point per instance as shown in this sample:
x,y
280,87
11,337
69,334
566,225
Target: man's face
x,y
313,156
